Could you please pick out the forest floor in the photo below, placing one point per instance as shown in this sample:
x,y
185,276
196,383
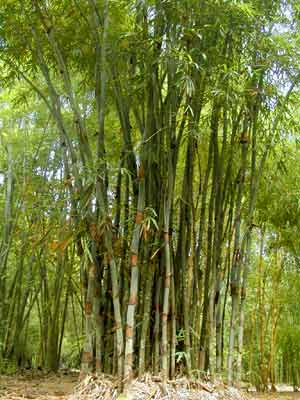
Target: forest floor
x,y
37,386
275,396
67,387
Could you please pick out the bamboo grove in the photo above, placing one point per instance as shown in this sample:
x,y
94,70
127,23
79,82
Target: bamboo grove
x,y
133,163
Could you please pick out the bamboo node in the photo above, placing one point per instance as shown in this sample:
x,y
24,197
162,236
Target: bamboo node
x,y
132,300
244,138
134,259
164,317
139,217
88,308
87,357
243,293
234,290
141,172
98,365
129,331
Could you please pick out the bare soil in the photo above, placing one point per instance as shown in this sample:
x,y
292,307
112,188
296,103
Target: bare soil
x,y
275,396
67,387
37,386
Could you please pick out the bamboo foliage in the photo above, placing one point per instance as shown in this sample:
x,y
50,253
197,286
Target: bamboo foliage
x,y
161,118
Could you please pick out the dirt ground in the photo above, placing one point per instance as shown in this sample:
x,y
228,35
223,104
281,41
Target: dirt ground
x,y
28,386
275,396
62,386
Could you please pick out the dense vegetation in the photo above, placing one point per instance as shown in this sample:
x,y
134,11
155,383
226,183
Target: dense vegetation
x,y
150,187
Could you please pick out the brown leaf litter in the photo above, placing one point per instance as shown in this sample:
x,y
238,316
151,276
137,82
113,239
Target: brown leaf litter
x,y
39,386
67,387
150,388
